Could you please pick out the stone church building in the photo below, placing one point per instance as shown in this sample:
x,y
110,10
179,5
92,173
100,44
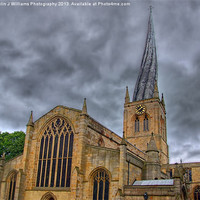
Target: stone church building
x,y
69,155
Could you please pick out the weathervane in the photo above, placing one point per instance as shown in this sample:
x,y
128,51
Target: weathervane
x,y
150,7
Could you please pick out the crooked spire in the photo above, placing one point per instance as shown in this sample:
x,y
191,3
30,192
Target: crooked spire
x,y
147,78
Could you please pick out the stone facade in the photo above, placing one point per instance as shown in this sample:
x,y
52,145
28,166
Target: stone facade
x,y
155,112
97,148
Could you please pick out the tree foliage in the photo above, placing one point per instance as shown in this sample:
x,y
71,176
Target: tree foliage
x,y
12,144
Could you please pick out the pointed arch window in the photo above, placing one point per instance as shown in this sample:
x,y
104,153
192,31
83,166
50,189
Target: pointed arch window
x,y
137,125
11,186
188,175
197,193
101,185
55,155
146,123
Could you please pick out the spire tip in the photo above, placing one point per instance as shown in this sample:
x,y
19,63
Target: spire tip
x,y
84,109
150,8
146,84
127,98
30,121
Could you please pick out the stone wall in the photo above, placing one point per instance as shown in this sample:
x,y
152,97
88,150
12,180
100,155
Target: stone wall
x,y
190,185
70,115
154,192
13,166
157,124
101,158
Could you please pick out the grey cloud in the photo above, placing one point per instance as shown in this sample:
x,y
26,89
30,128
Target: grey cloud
x,y
4,70
6,44
9,51
193,154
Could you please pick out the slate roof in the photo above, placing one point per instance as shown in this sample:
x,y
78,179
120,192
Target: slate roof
x,y
147,78
154,182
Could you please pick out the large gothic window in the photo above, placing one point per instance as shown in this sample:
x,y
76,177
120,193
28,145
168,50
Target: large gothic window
x,y
197,193
11,186
101,185
137,125
55,155
146,123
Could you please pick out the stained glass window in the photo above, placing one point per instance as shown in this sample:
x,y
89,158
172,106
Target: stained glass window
x,y
197,193
171,173
188,175
12,185
101,185
55,155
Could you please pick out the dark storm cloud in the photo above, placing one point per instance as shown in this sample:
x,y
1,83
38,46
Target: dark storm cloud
x,y
183,109
193,154
6,45
9,51
64,57
4,71
52,56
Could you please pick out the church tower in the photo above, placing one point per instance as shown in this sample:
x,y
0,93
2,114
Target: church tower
x,y
146,113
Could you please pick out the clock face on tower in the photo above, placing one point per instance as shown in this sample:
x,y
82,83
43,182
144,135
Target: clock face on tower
x,y
140,109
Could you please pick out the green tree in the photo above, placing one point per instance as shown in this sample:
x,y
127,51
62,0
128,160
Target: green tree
x,y
12,144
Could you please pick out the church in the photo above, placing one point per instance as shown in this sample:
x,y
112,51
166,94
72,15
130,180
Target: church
x,y
69,155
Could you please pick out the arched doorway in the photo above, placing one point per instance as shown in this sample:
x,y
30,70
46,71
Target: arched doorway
x,y
48,196
197,193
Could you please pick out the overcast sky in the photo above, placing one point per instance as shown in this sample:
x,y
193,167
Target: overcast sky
x,y
53,56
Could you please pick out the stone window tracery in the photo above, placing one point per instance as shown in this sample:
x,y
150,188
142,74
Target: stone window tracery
x,y
188,175
11,186
49,196
197,193
101,185
55,155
